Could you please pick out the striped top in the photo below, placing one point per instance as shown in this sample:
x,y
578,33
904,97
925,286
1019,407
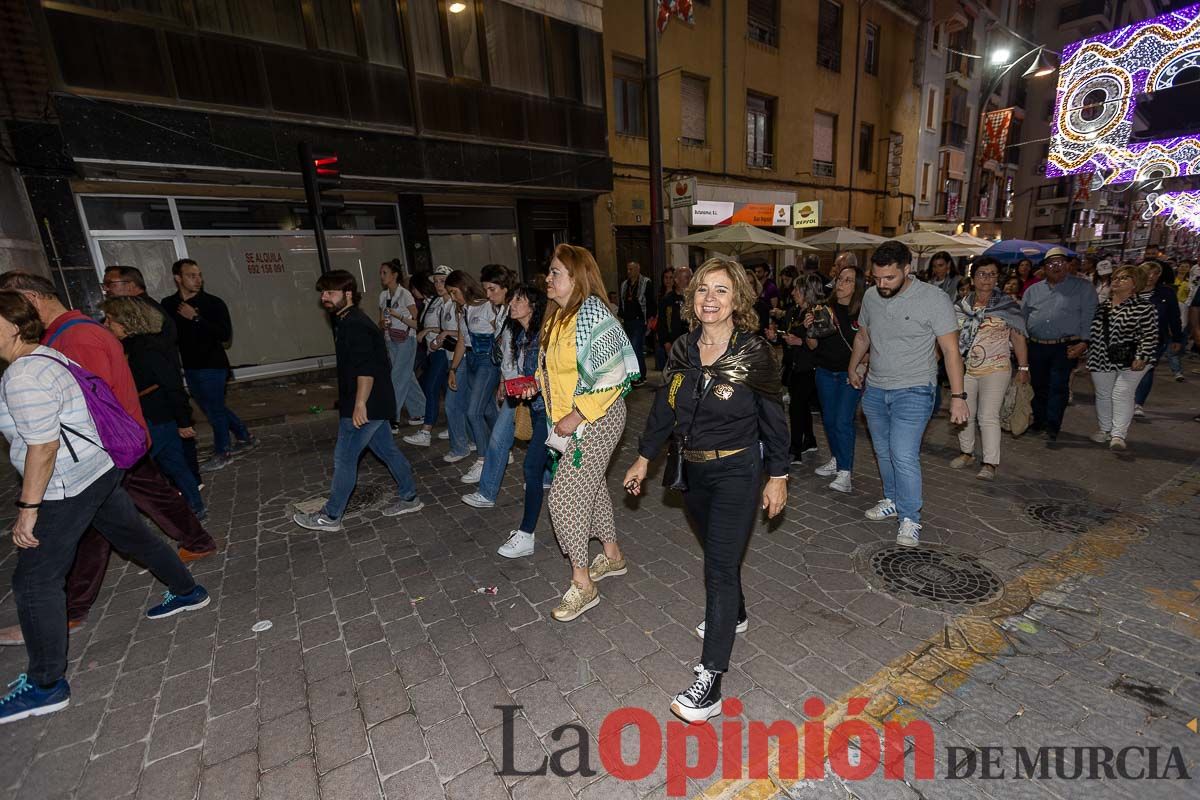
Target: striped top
x,y
1135,320
35,396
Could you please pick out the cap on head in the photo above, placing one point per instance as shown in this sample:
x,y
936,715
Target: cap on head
x,y
1056,252
442,269
1104,267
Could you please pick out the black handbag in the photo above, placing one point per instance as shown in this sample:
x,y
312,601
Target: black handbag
x,y
675,471
1122,354
823,324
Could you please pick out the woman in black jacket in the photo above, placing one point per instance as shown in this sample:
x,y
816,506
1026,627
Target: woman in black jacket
x,y
799,365
160,390
1160,292
721,404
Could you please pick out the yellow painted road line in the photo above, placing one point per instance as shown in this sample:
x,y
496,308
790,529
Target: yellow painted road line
x,y
923,677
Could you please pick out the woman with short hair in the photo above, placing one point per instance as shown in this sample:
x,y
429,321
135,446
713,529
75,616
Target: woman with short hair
x,y
1124,339
159,383
722,404
991,329
586,368
68,482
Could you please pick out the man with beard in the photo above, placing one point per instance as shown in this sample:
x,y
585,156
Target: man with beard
x,y
901,321
366,406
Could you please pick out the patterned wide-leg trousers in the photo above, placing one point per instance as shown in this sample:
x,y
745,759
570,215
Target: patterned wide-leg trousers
x,y
580,506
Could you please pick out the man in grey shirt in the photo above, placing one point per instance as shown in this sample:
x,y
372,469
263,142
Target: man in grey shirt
x,y
1058,320
901,321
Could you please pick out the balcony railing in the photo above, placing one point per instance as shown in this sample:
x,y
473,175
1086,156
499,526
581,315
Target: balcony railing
x,y
760,160
824,169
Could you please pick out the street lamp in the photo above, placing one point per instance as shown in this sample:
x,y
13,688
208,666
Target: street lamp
x,y
1001,65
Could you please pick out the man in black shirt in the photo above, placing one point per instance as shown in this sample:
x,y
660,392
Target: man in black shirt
x,y
671,324
203,327
366,406
634,304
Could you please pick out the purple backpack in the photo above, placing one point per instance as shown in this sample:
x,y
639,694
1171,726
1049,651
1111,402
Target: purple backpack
x,y
120,434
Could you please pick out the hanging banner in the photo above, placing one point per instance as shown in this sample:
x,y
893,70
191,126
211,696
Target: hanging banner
x,y
669,8
995,134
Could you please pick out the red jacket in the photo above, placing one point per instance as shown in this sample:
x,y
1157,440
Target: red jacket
x,y
94,348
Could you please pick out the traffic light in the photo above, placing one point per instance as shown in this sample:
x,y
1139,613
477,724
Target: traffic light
x,y
322,174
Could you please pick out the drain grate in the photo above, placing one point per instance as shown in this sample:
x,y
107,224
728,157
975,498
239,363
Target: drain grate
x,y
944,577
366,496
1069,517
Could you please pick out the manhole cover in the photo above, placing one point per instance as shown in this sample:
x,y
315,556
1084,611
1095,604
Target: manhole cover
x,y
365,497
1069,517
943,577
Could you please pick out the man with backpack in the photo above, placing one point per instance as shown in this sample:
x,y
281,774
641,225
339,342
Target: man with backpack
x,y
90,344
69,440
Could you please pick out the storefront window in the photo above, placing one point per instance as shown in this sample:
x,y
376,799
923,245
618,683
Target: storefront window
x,y
127,213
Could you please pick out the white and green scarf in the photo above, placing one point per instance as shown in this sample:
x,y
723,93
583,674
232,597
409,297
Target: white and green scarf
x,y
603,355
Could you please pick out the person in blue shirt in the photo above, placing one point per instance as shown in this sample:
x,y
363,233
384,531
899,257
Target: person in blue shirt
x,y
1058,317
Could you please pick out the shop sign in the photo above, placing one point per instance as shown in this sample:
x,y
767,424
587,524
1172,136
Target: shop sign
x,y
264,262
806,214
763,215
681,193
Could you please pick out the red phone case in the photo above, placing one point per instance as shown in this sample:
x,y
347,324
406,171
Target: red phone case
x,y
516,386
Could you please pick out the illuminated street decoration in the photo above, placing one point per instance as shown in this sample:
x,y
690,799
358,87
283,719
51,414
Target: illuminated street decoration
x,y
1099,83
1180,208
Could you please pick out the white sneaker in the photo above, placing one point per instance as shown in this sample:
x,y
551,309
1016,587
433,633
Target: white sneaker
x,y
416,421
519,545
1116,443
828,469
474,473
510,457
909,534
1100,437
471,447
421,438
742,626
842,482
451,458
476,500
1138,412
444,434
884,509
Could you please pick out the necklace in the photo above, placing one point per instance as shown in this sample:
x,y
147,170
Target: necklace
x,y
708,344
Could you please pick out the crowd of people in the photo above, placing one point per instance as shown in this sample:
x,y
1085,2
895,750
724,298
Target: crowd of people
x,y
746,363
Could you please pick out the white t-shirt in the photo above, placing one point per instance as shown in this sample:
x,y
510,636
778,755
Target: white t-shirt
x,y
481,318
36,399
431,317
398,302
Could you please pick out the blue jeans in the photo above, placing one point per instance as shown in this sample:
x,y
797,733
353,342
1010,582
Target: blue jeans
x,y
839,404
166,448
534,466
1050,374
897,420
635,329
404,382
208,387
351,442
467,408
433,383
1147,383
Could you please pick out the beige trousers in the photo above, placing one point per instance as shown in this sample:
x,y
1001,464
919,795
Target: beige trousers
x,y
985,396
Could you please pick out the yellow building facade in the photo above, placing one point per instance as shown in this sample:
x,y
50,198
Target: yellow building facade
x,y
759,103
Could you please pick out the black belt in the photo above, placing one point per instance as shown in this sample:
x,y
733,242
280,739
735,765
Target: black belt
x,y
1064,340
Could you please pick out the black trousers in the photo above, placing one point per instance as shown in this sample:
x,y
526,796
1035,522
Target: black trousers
x,y
1050,374
40,576
722,499
802,396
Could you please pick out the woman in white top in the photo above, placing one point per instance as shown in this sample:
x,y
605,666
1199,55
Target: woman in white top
x,y
439,323
475,370
68,482
398,318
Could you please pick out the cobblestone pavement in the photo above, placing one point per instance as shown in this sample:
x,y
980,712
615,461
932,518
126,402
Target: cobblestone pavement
x,y
1065,611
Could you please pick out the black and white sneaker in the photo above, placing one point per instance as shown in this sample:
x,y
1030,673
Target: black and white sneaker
x,y
701,701
742,626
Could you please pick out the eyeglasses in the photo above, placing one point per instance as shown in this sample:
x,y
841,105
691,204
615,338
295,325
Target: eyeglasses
x,y
986,274
1122,278
114,283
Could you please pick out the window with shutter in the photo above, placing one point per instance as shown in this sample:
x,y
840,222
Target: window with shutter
x,y
824,144
871,61
829,36
762,21
628,99
866,147
760,123
694,110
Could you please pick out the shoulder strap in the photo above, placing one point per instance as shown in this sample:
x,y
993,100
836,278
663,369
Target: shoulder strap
x,y
66,325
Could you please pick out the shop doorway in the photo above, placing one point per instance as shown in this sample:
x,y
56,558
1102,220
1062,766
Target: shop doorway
x,y
633,244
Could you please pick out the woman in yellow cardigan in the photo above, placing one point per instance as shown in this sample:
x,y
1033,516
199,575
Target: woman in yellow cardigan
x,y
587,367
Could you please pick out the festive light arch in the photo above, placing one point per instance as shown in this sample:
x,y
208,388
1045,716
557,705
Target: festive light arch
x,y
1099,81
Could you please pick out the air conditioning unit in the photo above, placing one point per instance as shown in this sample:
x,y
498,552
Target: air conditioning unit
x,y
1044,211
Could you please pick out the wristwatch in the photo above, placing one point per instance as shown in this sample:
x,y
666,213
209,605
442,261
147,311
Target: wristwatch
x,y
958,395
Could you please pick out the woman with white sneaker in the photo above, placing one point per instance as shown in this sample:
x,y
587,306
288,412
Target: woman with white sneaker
x,y
398,319
1123,345
474,374
519,343
839,400
991,331
439,329
722,406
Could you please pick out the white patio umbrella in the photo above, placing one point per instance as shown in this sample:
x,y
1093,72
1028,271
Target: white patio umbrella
x,y
739,239
922,242
843,239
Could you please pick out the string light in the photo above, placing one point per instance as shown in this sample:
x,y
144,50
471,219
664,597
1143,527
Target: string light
x,y
1104,75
